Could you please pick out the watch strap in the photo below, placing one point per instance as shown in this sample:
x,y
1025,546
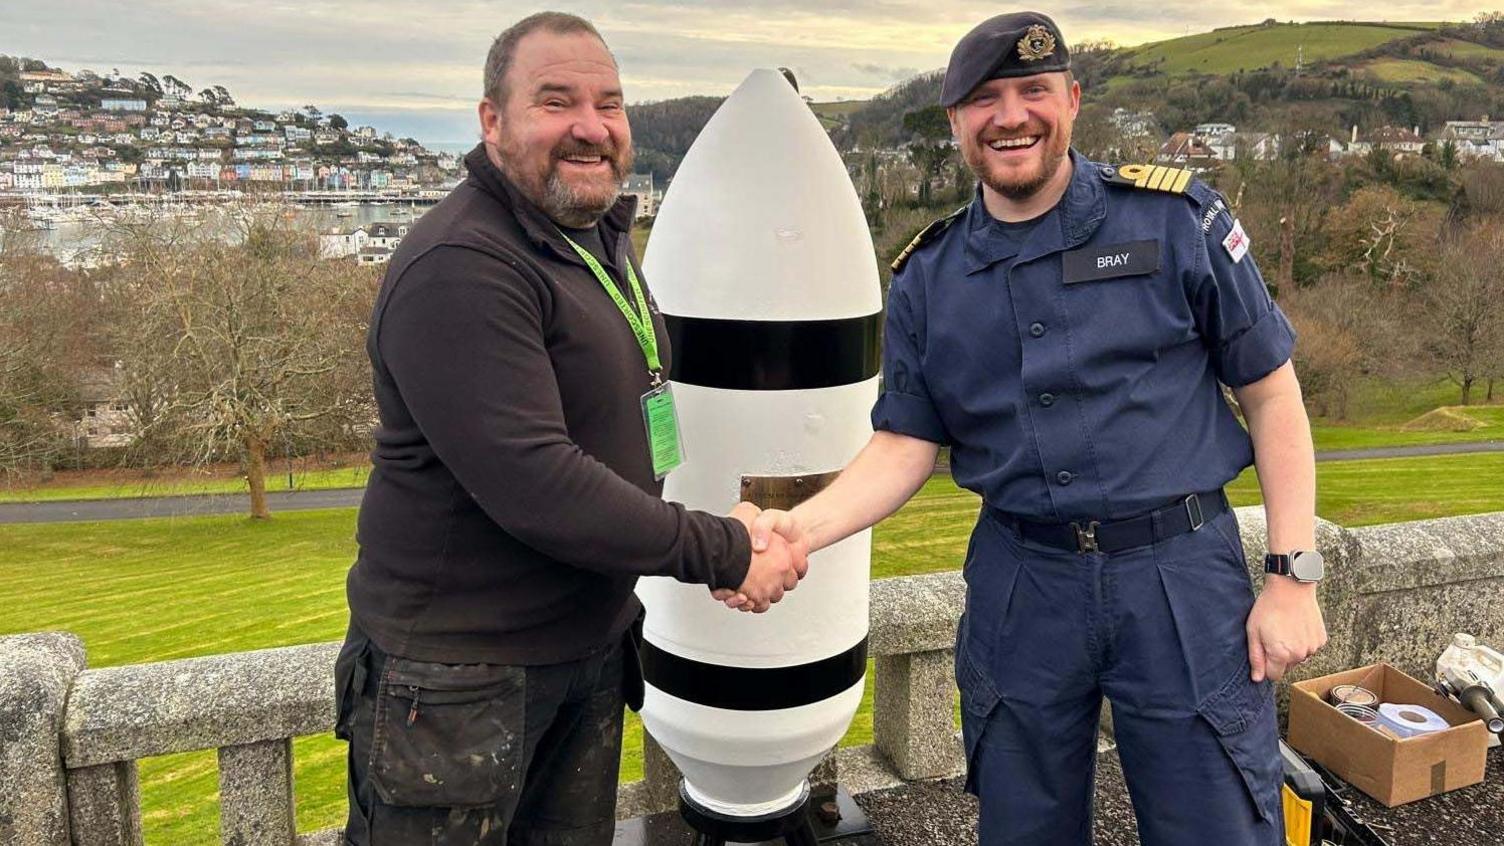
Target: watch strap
x,y
1279,565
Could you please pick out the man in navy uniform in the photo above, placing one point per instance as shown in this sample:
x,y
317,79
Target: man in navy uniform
x,y
1067,335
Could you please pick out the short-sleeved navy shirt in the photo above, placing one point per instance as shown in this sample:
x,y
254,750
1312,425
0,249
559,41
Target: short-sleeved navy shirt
x,y
1076,375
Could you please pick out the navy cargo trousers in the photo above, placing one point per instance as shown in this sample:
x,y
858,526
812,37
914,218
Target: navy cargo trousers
x,y
1159,630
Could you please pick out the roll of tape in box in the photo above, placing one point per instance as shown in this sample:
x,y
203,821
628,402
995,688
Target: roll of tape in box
x,y
1410,720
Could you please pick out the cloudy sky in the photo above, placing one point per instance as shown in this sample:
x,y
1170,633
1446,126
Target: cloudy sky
x,y
413,67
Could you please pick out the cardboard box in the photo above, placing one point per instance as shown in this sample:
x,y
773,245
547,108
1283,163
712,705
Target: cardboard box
x,y
1390,770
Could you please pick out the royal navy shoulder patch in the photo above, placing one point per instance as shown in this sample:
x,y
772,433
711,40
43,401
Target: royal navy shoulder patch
x,y
1172,180
926,235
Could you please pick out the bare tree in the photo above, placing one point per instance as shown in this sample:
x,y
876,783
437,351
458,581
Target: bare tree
x,y
1382,234
237,337
43,310
1348,327
1283,204
1463,316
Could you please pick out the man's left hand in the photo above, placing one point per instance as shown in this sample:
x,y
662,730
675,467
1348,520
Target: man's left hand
x,y
1284,628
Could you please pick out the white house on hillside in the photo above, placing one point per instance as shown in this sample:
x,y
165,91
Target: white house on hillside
x,y
640,185
339,243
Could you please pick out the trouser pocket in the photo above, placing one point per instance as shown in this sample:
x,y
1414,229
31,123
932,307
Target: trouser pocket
x,y
350,669
447,735
1242,714
979,699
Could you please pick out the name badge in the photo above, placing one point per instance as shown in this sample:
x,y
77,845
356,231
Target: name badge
x,y
661,417
1134,258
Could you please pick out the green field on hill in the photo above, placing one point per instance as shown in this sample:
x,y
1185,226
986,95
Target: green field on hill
x,y
154,590
1458,49
1247,48
1405,71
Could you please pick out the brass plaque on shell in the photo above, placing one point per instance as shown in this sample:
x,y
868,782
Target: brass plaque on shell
x,y
784,492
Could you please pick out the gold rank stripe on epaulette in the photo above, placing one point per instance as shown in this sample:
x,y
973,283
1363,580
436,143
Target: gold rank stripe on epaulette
x,y
1172,180
925,235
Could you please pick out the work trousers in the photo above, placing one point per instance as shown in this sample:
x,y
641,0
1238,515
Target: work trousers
x,y
1159,630
479,754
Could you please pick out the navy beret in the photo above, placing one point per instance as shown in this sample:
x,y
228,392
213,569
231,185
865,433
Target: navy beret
x,y
1020,44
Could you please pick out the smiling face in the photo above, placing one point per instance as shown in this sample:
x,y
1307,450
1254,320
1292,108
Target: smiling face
x,y
561,136
1015,132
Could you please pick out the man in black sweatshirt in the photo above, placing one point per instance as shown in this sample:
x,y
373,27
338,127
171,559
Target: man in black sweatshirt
x,y
514,498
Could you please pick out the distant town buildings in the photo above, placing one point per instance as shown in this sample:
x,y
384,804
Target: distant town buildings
x,y
94,134
1211,143
1135,124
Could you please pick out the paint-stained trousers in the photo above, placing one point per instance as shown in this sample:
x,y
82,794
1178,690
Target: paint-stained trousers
x,y
1159,630
479,754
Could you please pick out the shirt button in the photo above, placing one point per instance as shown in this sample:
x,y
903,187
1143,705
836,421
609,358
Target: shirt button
x,y
1036,329
1064,477
1046,400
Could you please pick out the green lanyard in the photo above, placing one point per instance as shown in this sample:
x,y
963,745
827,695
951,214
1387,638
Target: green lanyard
x,y
641,320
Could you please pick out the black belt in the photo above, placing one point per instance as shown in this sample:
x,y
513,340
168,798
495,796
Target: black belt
x,y
1185,515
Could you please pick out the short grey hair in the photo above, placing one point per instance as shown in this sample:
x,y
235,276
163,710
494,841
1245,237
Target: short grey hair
x,y
504,48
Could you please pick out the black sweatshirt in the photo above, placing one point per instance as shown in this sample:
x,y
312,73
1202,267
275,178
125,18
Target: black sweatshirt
x,y
512,504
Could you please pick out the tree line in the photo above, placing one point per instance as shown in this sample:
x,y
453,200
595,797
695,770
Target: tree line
x,y
222,339
228,338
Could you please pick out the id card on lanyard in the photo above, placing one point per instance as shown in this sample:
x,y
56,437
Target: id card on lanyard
x,y
659,415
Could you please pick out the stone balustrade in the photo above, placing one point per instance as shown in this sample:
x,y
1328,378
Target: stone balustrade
x,y
70,737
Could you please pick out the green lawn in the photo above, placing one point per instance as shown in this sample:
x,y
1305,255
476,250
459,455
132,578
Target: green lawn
x,y
1333,436
1232,49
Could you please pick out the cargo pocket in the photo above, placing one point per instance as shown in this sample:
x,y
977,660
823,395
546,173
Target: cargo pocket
x,y
349,684
1242,714
447,735
979,698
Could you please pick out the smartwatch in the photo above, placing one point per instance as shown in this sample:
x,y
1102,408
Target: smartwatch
x,y
1302,565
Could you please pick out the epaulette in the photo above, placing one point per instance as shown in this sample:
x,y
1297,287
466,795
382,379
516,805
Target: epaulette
x,y
1172,180
926,235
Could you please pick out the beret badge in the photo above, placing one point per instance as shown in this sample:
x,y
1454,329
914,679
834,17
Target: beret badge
x,y
1036,44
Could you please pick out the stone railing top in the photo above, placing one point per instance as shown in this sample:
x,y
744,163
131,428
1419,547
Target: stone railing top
x,y
916,613
26,659
1444,550
35,672
139,710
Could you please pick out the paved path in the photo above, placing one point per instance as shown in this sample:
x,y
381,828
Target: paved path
x,y
1413,449
189,506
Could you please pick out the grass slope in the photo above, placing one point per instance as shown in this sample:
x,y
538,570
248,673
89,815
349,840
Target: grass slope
x,y
1406,71
189,483
1247,48
1459,49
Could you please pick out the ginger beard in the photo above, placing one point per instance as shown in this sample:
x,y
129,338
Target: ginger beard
x,y
1017,173
577,184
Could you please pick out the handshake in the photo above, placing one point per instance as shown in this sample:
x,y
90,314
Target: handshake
x,y
780,558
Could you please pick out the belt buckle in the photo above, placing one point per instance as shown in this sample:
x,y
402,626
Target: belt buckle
x,y
1086,538
1192,505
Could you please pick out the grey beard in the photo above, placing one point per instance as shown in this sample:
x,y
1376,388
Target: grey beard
x,y
563,206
